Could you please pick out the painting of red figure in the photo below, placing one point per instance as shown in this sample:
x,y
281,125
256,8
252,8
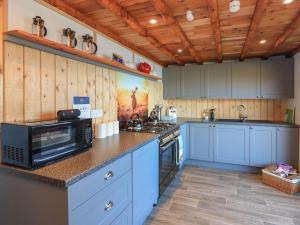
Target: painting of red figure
x,y
132,97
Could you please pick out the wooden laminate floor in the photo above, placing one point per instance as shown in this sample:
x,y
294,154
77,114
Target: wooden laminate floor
x,y
215,197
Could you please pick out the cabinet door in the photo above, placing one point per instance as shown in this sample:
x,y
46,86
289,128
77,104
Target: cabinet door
x,y
287,146
231,144
145,181
192,82
125,218
262,146
201,141
184,134
246,79
217,80
277,78
171,82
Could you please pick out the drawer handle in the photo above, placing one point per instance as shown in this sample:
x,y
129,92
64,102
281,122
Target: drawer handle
x,y
108,175
109,206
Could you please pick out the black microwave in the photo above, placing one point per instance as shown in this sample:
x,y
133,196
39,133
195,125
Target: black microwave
x,y
32,145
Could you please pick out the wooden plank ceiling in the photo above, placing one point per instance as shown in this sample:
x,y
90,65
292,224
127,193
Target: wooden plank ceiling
x,y
215,34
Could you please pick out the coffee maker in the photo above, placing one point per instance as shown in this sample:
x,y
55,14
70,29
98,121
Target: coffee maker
x,y
38,26
158,110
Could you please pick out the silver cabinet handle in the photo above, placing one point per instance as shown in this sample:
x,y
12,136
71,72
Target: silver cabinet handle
x,y
108,206
257,96
214,125
250,128
262,96
108,175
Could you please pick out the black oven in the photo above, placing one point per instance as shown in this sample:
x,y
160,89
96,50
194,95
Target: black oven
x,y
31,145
168,159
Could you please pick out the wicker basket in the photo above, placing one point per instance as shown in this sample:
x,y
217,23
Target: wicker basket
x,y
286,185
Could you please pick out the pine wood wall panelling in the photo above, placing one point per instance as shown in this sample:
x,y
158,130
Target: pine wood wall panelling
x,y
72,68
82,79
91,84
48,85
105,95
61,83
32,84
13,83
99,91
273,110
3,25
112,95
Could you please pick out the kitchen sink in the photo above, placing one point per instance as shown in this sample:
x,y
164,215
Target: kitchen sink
x,y
243,121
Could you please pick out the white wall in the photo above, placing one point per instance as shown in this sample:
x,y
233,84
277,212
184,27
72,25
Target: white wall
x,y
297,91
21,12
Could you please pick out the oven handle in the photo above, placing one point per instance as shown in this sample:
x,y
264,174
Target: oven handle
x,y
177,151
163,148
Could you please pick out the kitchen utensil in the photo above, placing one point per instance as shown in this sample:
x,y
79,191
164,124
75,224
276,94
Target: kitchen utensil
x,y
38,27
69,37
88,45
153,117
212,114
158,109
135,122
144,67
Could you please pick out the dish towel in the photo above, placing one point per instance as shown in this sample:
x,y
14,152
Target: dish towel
x,y
180,152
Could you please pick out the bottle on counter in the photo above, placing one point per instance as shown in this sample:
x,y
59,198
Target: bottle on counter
x,y
212,114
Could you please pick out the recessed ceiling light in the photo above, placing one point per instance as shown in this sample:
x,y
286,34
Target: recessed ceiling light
x,y
179,50
285,2
153,21
189,15
262,41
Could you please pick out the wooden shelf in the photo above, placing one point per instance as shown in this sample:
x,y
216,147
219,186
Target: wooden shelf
x,y
65,49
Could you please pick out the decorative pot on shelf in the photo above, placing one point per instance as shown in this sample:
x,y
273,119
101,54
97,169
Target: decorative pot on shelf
x,y
88,45
38,26
69,37
144,67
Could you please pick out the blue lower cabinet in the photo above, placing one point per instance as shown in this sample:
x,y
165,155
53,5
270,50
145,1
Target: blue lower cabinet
x,y
287,146
184,133
201,142
106,205
125,218
145,165
231,144
262,146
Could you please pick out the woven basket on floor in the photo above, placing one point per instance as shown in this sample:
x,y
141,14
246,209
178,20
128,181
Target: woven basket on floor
x,y
283,184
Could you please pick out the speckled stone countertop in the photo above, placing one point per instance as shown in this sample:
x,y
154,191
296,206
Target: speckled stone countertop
x,y
105,151
182,120
72,169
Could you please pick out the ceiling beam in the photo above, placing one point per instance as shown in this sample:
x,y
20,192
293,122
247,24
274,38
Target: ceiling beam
x,y
259,11
69,10
167,15
286,33
120,12
215,23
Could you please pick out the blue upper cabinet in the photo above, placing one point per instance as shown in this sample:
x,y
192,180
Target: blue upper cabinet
x,y
277,78
217,80
231,144
171,82
192,82
262,146
287,146
246,79
145,166
201,142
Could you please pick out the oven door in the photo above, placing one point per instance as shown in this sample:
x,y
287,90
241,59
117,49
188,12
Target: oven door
x,y
168,166
52,142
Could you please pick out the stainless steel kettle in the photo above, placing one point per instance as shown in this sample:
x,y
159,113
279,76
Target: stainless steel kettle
x,y
69,37
38,26
88,45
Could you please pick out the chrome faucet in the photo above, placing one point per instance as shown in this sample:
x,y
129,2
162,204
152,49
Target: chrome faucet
x,y
242,113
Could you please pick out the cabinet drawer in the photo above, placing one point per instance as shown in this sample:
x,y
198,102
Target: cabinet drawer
x,y
90,185
106,205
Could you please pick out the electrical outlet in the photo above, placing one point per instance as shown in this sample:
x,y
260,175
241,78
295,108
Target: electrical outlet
x,y
96,113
